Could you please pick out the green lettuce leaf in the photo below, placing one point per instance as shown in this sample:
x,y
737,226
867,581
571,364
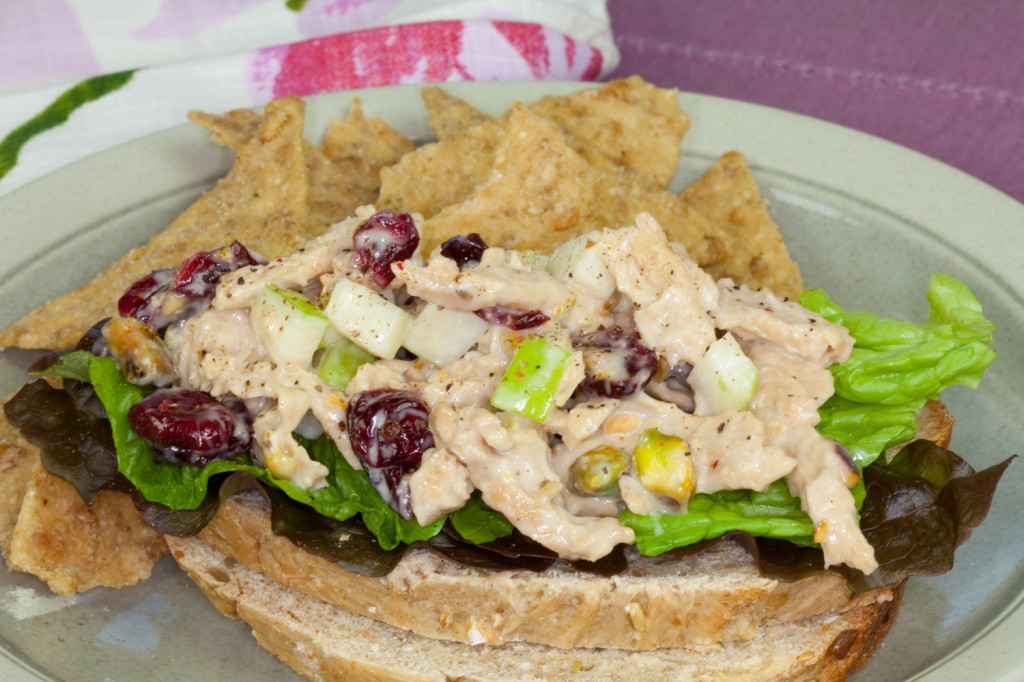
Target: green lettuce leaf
x,y
478,523
74,365
774,513
897,366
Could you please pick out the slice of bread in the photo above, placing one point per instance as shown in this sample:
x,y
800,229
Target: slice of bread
x,y
323,642
701,599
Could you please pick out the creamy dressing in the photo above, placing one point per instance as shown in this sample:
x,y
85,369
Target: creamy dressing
x,y
523,468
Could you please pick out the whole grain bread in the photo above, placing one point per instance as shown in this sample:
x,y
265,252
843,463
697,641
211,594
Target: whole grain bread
x,y
701,599
321,641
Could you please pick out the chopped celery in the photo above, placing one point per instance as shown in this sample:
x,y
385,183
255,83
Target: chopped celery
x,y
340,361
531,380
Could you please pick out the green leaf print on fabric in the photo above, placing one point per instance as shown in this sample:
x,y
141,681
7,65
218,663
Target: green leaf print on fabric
x,y
57,113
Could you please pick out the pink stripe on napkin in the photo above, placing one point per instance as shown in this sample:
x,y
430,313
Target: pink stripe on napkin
x,y
429,52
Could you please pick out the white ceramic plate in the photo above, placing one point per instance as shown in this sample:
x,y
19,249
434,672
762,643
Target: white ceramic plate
x,y
866,219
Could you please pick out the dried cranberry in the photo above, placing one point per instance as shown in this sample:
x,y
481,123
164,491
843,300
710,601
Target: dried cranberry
x,y
464,249
142,299
389,431
513,318
191,427
170,295
617,363
198,275
384,238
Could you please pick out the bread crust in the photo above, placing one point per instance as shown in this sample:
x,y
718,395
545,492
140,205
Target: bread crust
x,y
703,599
323,642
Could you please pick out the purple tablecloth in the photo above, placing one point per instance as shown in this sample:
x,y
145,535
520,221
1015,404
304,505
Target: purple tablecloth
x,y
945,78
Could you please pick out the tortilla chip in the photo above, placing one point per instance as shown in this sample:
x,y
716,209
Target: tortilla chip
x,y
362,146
448,114
728,195
334,189
622,194
631,121
265,202
538,186
46,529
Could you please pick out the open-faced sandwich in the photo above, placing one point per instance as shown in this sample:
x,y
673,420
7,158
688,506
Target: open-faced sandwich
x,y
513,411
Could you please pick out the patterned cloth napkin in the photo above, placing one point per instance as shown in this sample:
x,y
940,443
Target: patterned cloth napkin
x,y
81,76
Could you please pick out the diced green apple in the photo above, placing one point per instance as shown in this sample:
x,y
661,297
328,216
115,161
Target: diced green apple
x,y
289,324
724,379
366,318
578,261
530,383
442,334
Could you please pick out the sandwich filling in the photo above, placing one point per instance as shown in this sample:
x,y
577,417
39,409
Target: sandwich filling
x,y
613,374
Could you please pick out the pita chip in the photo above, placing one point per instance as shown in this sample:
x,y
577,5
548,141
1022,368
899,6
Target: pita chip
x,y
630,121
448,114
538,186
446,173
74,547
362,146
440,174
233,129
727,194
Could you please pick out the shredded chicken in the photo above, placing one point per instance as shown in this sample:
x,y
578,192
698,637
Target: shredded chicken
x,y
673,297
508,461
